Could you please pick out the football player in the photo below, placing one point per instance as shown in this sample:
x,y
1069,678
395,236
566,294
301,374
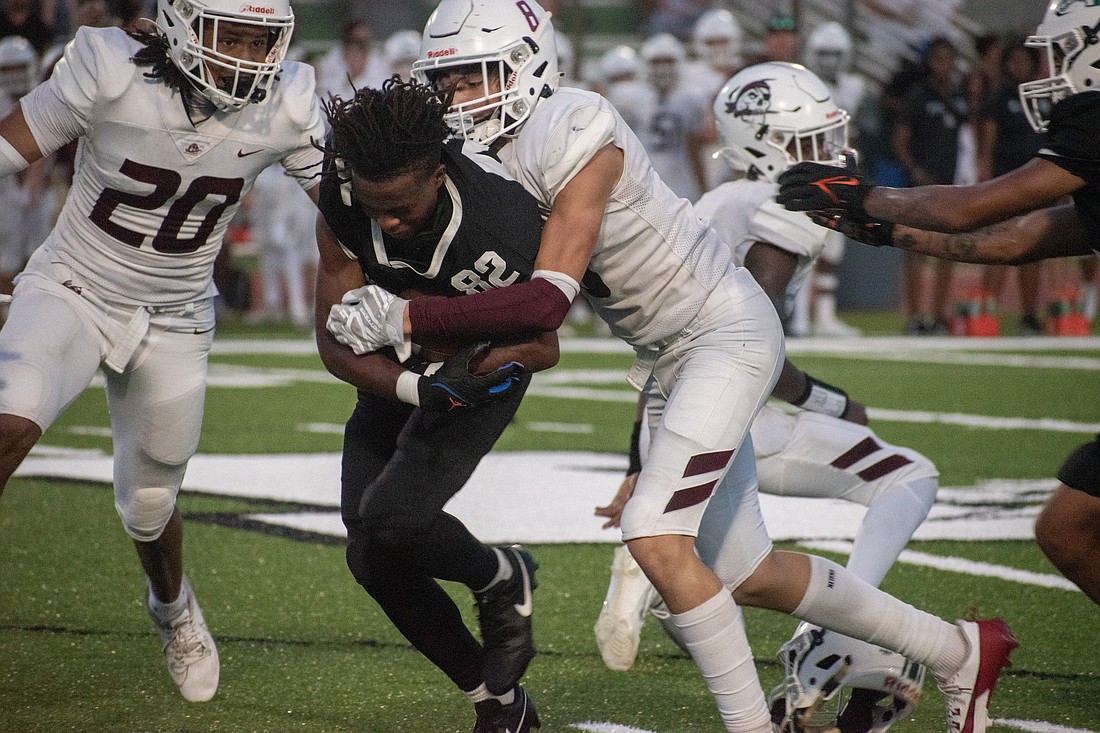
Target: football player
x,y
405,210
1012,219
823,450
709,347
18,75
174,126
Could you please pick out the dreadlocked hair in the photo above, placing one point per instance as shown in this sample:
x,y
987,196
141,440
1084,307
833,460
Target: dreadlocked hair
x,y
154,54
382,133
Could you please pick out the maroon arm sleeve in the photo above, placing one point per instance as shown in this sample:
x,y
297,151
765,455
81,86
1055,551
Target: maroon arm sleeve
x,y
515,311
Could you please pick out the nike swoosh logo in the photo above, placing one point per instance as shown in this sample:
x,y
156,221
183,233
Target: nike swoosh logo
x,y
525,608
242,154
197,331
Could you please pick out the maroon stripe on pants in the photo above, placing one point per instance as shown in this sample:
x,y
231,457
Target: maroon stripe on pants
x,y
707,462
883,467
690,497
857,453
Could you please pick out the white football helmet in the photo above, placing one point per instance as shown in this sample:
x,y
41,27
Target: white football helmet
x,y
819,665
511,42
664,56
716,39
402,47
619,63
18,66
1068,34
773,115
192,28
829,50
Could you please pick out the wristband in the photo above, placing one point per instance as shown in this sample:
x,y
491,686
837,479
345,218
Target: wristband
x,y
821,397
635,464
407,389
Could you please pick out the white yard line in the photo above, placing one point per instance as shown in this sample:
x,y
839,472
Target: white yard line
x,y
1037,726
593,727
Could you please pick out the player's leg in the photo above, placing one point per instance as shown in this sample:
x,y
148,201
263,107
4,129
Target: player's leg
x,y
1068,528
825,282
156,417
49,352
706,392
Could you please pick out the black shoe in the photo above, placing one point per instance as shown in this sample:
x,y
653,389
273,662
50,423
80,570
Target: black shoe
x,y
519,717
504,612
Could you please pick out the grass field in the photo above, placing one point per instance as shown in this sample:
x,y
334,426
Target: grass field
x,y
304,649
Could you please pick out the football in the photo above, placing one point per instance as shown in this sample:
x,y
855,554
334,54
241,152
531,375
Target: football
x,y
433,350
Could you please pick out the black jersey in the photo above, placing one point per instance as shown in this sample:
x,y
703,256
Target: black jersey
x,y
483,234
1072,144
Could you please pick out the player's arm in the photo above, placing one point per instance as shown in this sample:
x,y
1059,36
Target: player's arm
x,y
18,148
1056,231
773,268
1036,184
540,304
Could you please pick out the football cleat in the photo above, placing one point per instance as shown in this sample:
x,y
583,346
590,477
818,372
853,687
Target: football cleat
x,y
504,612
630,596
968,691
189,650
518,717
836,683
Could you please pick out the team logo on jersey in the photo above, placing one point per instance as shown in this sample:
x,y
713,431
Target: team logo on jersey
x,y
752,100
193,149
1067,5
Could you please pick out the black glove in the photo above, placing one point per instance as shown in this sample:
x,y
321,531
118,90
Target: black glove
x,y
875,232
454,387
819,187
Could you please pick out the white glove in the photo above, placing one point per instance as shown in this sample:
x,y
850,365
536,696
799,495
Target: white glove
x,y
368,319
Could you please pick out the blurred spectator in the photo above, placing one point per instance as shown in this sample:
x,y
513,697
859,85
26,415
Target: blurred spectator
x,y
669,118
567,62
780,41
282,224
353,64
898,29
677,17
926,144
716,44
619,65
34,20
401,49
18,75
1005,142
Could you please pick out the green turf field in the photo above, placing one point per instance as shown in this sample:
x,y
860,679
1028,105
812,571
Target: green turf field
x,y
304,649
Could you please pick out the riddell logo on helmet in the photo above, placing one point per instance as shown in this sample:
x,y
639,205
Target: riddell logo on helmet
x,y
443,52
260,9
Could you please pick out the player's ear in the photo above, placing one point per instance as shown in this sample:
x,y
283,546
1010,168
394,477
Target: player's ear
x,y
438,175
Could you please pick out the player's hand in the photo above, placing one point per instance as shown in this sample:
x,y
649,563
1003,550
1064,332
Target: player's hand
x,y
855,412
811,186
614,510
875,232
454,387
368,319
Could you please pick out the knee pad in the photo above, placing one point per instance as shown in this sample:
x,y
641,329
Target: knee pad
x,y
145,512
1081,470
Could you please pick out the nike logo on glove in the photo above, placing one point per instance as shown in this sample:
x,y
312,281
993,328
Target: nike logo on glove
x,y
824,184
525,608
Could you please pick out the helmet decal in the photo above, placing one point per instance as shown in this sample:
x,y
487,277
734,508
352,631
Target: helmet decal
x,y
754,100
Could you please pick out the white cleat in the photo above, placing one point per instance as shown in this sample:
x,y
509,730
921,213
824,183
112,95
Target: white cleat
x,y
189,651
968,691
619,626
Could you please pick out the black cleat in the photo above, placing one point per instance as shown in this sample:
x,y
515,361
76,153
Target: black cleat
x,y
519,717
504,612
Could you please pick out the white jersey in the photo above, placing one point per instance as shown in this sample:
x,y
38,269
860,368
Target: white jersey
x,y
664,122
745,212
655,262
153,194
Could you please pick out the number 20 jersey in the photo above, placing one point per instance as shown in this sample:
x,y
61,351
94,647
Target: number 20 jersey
x,y
153,194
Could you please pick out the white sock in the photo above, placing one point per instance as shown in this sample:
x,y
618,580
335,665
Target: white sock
x,y
481,694
837,600
887,526
165,612
714,635
504,570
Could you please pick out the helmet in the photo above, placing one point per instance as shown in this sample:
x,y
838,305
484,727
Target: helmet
x,y
402,46
1068,34
663,55
18,66
619,62
773,115
716,39
829,50
192,28
511,41
819,664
